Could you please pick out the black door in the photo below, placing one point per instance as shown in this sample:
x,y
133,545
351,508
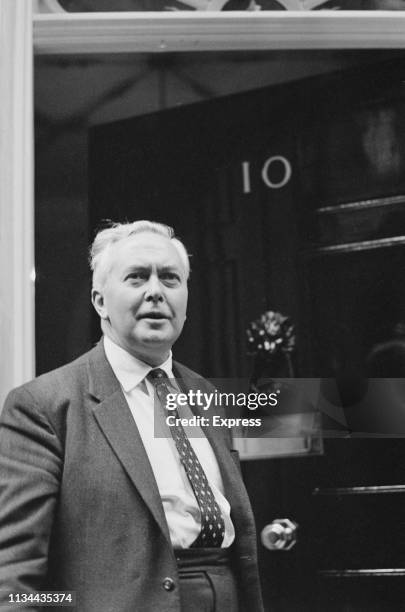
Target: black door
x,y
291,199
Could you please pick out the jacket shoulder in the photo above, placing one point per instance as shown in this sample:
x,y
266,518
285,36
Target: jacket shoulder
x,y
180,368
183,372
61,381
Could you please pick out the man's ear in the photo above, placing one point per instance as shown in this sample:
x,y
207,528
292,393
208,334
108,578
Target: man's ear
x,y
98,302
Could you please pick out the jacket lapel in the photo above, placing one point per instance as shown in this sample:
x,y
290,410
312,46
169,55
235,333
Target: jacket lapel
x,y
114,418
116,422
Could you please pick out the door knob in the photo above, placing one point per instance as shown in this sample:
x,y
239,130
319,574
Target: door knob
x,y
281,534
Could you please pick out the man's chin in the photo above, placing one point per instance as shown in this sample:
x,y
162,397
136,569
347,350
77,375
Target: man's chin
x,y
153,348
156,340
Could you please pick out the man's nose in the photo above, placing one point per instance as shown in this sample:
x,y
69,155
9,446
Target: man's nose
x,y
154,289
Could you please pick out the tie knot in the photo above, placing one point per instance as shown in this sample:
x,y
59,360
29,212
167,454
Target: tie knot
x,y
157,374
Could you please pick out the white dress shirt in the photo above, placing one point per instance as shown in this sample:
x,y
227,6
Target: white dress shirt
x,y
179,503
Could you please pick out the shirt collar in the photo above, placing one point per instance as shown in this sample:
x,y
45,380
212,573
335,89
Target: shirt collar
x,y
129,370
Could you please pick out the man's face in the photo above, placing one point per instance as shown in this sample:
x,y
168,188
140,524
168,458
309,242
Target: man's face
x,y
144,297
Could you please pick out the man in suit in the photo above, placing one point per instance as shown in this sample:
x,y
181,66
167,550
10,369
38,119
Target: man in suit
x,y
92,500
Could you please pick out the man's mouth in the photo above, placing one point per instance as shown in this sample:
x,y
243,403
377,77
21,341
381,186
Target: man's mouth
x,y
153,315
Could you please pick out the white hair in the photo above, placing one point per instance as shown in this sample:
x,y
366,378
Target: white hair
x,y
105,239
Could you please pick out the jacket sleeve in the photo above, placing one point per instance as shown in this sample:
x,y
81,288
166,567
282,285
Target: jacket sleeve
x,y
30,470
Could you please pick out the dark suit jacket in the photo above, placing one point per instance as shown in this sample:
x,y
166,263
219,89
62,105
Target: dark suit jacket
x,y
79,505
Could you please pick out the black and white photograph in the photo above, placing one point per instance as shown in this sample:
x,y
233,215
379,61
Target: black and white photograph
x,y
202,382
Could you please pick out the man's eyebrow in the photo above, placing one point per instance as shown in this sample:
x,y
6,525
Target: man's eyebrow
x,y
170,268
147,268
136,268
